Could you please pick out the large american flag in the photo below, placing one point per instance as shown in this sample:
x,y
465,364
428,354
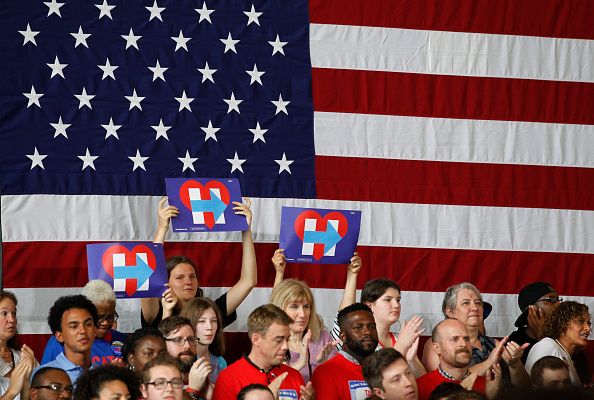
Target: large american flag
x,y
463,131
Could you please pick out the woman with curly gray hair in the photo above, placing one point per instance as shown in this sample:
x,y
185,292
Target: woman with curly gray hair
x,y
565,330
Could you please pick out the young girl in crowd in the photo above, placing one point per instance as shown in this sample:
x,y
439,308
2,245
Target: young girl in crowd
x,y
182,273
205,316
142,346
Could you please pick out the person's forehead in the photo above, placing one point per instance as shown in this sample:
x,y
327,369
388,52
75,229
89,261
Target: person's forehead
x,y
151,341
392,292
105,305
360,316
76,314
182,268
453,327
57,376
7,303
277,329
558,373
467,294
184,330
396,368
164,371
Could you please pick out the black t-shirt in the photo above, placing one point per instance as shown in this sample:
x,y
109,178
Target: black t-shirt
x,y
221,302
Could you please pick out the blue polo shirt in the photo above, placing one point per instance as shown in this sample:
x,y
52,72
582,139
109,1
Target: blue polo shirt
x,y
73,370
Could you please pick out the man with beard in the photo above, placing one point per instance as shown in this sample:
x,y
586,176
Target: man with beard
x,y
341,377
389,376
268,329
451,342
181,344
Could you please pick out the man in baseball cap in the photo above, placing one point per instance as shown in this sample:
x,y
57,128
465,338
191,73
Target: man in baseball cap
x,y
536,301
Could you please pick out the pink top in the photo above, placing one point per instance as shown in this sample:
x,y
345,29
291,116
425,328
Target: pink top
x,y
314,349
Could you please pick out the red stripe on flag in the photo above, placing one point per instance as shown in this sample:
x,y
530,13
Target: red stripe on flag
x,y
421,95
561,18
434,182
415,269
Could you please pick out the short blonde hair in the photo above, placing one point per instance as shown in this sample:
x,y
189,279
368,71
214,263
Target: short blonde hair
x,y
293,290
264,316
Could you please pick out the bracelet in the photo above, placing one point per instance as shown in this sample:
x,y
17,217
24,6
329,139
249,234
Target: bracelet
x,y
194,394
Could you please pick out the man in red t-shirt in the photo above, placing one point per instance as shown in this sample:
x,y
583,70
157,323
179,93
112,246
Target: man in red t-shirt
x,y
341,377
268,328
451,342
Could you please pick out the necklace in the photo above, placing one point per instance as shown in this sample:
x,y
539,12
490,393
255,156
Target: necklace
x,y
449,376
569,360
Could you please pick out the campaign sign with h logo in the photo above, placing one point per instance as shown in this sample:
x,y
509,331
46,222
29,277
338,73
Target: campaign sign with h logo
x,y
134,269
205,204
311,235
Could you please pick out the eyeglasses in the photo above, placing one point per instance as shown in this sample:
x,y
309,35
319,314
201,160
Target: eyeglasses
x,y
180,341
56,388
111,318
551,299
161,383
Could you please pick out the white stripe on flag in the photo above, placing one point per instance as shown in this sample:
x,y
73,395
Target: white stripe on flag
x,y
33,217
455,140
451,53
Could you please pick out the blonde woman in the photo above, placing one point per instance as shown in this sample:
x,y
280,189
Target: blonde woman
x,y
310,343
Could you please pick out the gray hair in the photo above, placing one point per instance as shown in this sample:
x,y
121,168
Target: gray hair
x,y
450,299
98,291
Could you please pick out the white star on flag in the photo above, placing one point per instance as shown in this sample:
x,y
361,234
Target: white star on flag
x,y
280,105
230,43
236,163
184,102
207,73
111,129
53,8
283,164
258,133
29,35
253,16
158,71
277,46
181,42
138,161
211,133
105,11
108,70
57,68
131,39
255,75
161,130
36,159
81,37
60,128
233,103
155,11
88,160
134,100
204,13
33,97
84,99
188,161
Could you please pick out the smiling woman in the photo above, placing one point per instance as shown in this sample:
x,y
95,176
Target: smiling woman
x,y
565,330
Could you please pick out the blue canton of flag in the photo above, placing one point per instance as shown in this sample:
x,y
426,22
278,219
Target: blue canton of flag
x,y
111,97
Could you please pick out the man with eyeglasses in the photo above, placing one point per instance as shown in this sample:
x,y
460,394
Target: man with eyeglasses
x,y
108,342
181,344
536,301
50,384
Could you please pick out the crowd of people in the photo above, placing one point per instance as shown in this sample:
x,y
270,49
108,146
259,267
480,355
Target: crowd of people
x,y
179,353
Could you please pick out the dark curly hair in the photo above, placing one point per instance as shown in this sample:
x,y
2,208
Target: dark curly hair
x,y
90,383
65,303
135,337
558,320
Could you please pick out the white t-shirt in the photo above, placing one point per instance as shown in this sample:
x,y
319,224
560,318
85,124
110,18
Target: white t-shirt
x,y
550,347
